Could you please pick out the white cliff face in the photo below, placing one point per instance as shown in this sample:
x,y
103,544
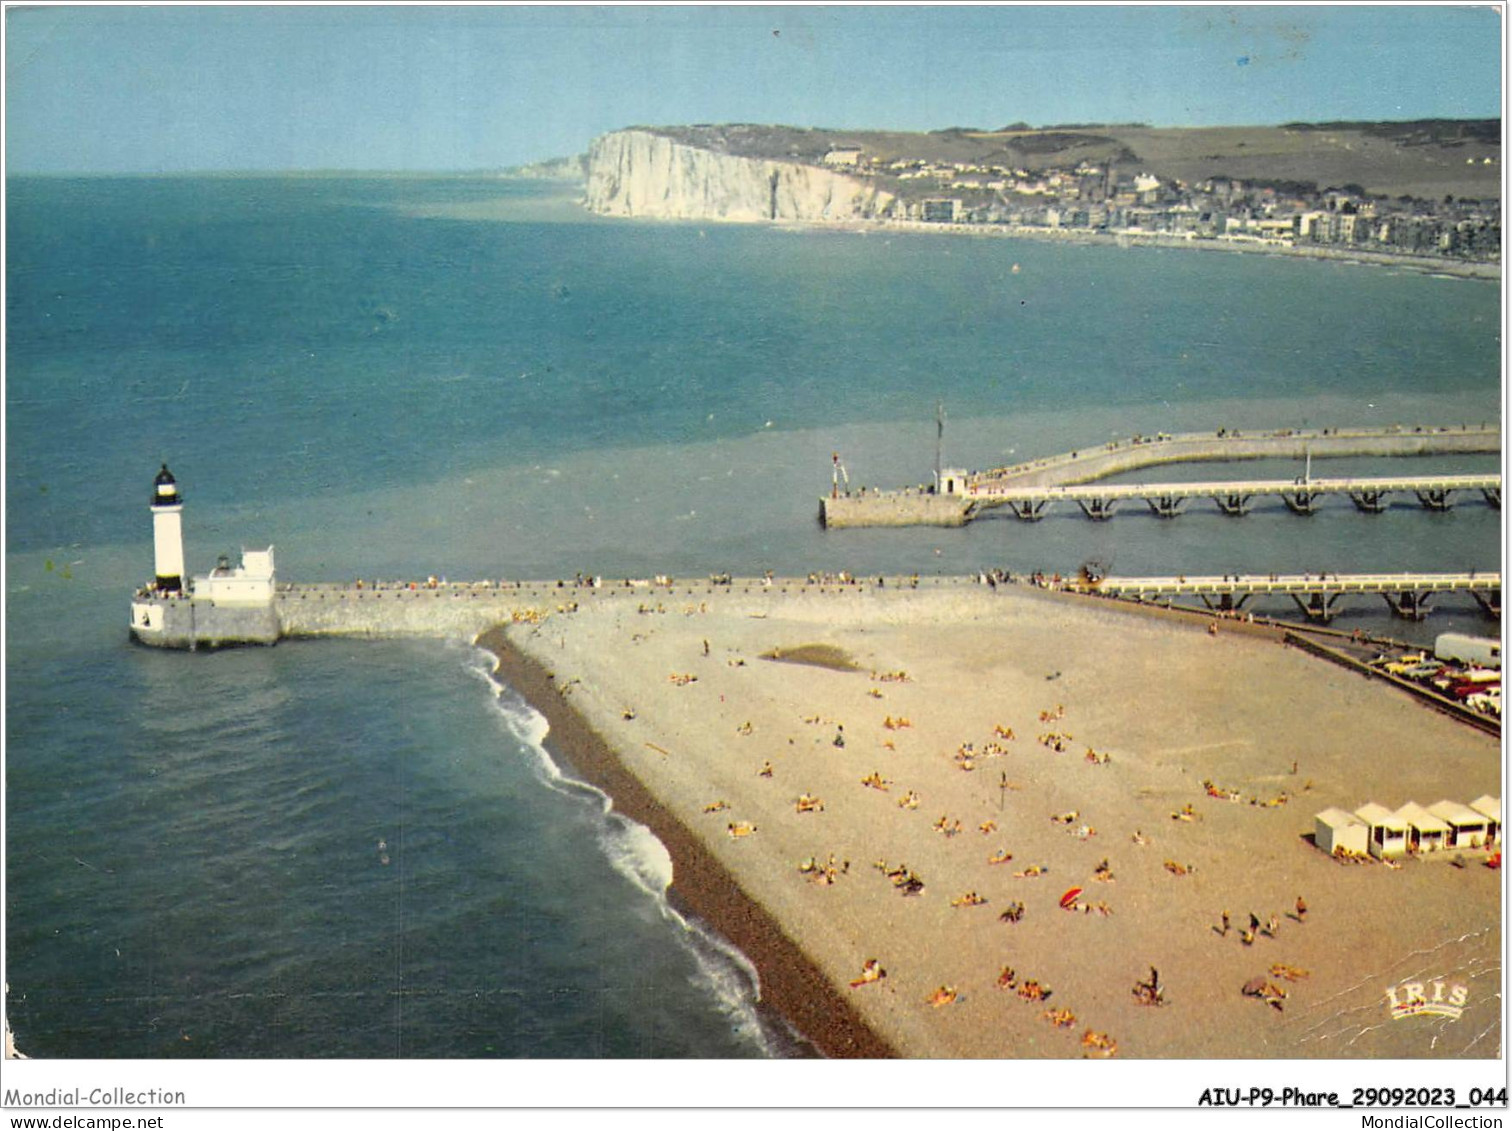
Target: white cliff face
x,y
635,173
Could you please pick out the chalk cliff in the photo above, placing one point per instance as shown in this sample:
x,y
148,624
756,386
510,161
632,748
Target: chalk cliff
x,y
640,173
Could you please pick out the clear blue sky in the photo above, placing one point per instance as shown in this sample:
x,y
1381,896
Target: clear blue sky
x,y
167,89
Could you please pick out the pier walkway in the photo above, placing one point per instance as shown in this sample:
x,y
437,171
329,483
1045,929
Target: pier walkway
x,y
1233,496
1407,594
957,498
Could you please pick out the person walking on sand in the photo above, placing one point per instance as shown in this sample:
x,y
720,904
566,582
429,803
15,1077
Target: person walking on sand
x,y
839,735
1225,930
1301,909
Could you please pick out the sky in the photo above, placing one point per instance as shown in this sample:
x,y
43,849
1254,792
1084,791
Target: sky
x,y
145,89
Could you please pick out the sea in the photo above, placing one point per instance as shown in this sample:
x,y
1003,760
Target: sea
x,y
366,849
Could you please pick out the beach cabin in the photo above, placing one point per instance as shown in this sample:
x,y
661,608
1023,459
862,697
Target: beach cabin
x,y
1467,828
1425,832
1490,808
1334,829
1388,832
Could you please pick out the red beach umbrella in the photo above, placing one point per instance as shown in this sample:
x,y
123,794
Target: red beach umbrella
x,y
1068,900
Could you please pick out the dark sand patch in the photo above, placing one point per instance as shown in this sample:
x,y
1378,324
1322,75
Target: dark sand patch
x,y
815,655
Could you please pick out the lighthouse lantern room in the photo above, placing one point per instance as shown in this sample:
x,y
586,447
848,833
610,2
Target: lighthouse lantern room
x,y
168,533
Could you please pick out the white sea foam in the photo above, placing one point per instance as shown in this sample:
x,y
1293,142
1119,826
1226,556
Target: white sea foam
x,y
635,853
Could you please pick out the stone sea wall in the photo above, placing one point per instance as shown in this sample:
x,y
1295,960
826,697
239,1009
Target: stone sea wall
x,y
449,611
639,173
179,622
893,508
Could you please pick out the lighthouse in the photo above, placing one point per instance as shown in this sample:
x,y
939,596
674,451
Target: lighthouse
x,y
168,533
227,606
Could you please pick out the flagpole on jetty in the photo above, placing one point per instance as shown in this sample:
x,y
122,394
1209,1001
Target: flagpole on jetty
x,y
939,439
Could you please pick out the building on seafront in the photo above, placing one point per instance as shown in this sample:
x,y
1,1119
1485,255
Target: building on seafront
x,y
229,605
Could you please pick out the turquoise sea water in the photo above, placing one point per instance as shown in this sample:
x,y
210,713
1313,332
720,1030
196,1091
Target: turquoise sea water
x,y
360,849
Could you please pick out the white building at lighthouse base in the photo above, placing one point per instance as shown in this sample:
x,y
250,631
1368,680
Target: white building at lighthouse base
x,y
229,605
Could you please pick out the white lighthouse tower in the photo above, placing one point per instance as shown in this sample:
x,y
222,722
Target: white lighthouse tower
x,y
168,533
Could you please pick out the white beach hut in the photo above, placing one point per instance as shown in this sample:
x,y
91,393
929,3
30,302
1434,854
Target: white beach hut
x,y
1335,829
1388,832
1425,832
1467,828
1490,808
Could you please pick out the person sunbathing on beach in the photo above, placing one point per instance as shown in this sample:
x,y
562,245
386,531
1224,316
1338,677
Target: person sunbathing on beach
x,y
765,771
1065,818
1060,1018
871,971
987,827
909,800
1103,871
808,804
716,807
1099,1044
1013,914
1007,979
1031,990
1031,871
970,899
1290,973
738,829
942,996
1002,856
1267,991
1151,992
1000,731
875,780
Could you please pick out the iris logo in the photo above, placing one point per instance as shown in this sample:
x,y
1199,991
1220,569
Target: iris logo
x,y
1414,999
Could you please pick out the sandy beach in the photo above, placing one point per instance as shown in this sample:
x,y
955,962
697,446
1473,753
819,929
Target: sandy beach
x,y
707,711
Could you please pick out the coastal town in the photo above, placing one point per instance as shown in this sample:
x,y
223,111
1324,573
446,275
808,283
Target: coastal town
x,y
1113,198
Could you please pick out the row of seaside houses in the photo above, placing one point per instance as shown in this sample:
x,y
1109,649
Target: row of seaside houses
x,y
1388,833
